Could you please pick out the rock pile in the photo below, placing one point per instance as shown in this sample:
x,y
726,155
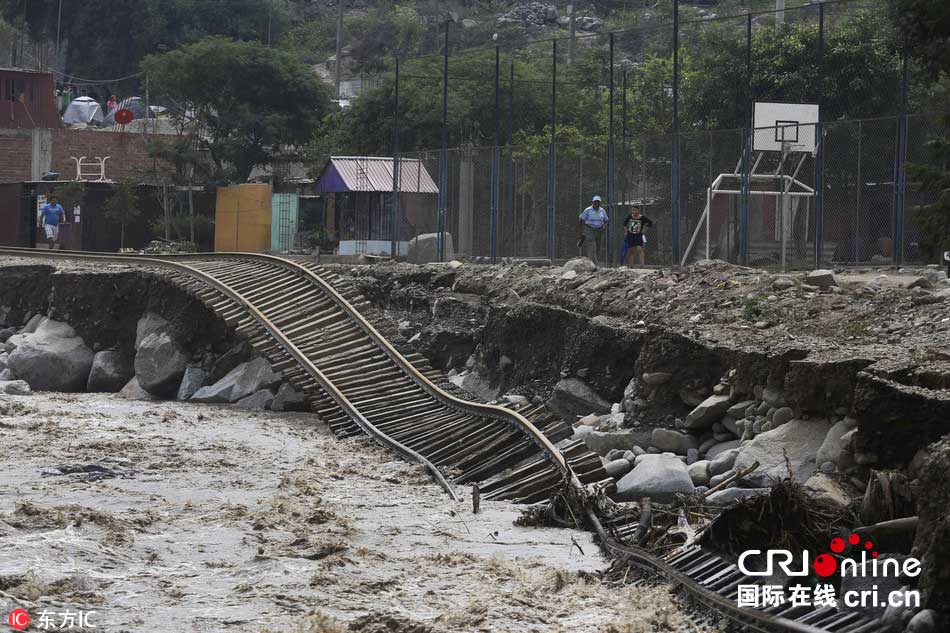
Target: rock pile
x,y
738,444
48,355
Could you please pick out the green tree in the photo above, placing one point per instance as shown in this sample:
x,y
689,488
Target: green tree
x,y
250,101
106,39
123,206
926,25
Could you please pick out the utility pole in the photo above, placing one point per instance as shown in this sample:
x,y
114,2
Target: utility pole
x,y
780,11
59,20
571,42
339,44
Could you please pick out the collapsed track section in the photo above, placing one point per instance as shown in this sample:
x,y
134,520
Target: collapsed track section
x,y
309,325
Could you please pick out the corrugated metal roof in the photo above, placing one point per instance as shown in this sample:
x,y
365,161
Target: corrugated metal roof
x,y
375,174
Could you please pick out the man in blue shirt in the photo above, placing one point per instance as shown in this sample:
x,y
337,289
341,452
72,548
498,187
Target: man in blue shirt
x,y
594,221
50,218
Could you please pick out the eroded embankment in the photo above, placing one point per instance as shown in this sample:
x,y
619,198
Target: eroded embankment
x,y
837,381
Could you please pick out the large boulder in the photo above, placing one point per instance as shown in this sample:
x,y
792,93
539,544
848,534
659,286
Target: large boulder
x,y
659,477
791,446
150,323
572,397
242,381
424,248
111,370
827,489
823,278
289,399
192,380
475,384
707,413
160,363
53,358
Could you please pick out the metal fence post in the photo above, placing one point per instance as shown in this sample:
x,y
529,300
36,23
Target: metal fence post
x,y
747,135
496,160
610,159
675,176
393,212
511,156
900,166
444,157
552,155
819,137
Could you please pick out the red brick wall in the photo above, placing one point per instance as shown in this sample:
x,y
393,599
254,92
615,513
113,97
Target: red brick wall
x,y
126,152
16,151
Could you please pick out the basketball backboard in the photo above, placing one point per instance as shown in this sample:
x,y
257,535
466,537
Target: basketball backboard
x,y
784,123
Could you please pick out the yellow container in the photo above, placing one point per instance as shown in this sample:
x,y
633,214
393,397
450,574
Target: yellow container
x,y
243,218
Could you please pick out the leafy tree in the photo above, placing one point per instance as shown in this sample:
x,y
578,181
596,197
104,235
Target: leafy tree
x,y
926,25
249,100
106,39
123,206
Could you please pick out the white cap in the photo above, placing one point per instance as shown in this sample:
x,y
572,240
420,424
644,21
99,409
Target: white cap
x,y
596,199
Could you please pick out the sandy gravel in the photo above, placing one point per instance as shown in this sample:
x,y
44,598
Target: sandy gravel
x,y
217,519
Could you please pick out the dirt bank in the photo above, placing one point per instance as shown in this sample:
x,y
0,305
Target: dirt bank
x,y
215,519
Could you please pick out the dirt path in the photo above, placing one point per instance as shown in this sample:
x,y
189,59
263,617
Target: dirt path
x,y
228,520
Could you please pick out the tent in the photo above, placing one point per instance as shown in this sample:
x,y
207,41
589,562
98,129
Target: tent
x,y
135,104
83,110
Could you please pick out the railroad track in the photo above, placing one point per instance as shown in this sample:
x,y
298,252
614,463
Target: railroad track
x,y
308,324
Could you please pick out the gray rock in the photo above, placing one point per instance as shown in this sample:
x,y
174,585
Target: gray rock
x,y
150,323
782,283
473,383
111,370
33,324
723,462
729,424
721,447
708,411
659,477
259,400
781,416
572,396
799,440
192,380
582,431
657,378
827,489
617,468
821,278
732,496
516,399
53,358
715,480
133,391
424,248
613,454
591,419
6,333
15,388
602,442
579,265
833,444
699,472
289,399
673,441
923,622
738,410
706,445
160,363
7,374
692,456
827,467
240,382
4,360
773,397
240,353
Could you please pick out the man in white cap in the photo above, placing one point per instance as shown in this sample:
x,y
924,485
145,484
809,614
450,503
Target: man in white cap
x,y
594,221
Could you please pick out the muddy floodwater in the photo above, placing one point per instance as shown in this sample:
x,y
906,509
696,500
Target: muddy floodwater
x,y
181,517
